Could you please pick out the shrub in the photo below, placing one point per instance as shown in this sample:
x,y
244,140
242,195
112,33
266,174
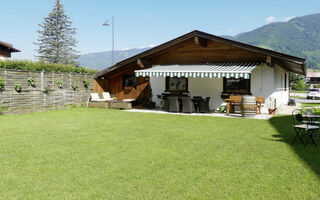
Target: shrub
x,y
42,66
316,86
1,83
300,85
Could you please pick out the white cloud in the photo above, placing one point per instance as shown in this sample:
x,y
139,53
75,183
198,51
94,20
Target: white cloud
x,y
271,19
288,18
229,30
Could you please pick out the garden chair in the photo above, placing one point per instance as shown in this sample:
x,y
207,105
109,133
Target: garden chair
x,y
204,105
303,129
187,105
173,104
309,111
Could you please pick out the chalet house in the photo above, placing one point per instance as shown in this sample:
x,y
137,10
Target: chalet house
x,y
6,49
312,79
202,64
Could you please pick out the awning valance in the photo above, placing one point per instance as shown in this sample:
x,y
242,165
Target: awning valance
x,y
209,70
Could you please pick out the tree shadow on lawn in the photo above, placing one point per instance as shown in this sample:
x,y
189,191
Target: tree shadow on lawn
x,y
310,154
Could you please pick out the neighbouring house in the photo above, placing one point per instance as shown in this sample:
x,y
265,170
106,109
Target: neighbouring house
x,y
6,49
202,65
312,79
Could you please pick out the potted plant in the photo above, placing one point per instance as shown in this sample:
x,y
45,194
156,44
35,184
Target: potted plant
x,y
1,84
60,83
17,86
46,90
86,83
31,82
74,85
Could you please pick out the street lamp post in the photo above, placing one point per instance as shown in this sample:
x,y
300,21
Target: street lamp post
x,y
106,23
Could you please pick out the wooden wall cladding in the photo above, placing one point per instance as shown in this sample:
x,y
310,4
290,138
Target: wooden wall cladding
x,y
190,52
34,98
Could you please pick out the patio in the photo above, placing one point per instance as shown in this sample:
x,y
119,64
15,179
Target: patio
x,y
212,114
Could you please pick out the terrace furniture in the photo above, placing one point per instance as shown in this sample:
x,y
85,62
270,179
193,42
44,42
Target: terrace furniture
x,y
95,97
204,105
101,104
196,101
233,101
303,126
260,101
106,96
120,105
187,105
128,100
173,104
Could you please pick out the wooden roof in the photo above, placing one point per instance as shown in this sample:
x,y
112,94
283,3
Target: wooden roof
x,y
8,46
290,63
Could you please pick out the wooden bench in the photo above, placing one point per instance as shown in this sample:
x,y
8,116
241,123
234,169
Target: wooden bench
x,y
120,105
100,104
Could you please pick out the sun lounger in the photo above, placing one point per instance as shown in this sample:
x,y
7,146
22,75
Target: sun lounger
x,y
106,96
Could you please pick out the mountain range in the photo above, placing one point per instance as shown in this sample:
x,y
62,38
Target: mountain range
x,y
299,37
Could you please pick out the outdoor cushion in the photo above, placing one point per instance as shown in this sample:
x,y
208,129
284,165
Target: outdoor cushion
x,y
128,100
106,96
95,97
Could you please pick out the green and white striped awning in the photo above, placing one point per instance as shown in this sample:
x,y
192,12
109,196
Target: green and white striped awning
x,y
209,70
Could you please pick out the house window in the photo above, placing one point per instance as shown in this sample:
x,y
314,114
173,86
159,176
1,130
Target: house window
x,y
129,81
175,84
236,85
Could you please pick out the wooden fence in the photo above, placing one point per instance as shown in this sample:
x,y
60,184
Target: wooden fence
x,y
34,98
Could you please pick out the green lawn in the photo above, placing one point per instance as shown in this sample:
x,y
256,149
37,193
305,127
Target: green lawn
x,y
83,153
298,91
297,97
310,104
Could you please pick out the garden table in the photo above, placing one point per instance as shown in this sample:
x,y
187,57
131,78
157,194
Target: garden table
x,y
311,120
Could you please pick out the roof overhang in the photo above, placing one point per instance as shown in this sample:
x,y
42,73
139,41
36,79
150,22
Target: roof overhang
x,y
290,63
9,47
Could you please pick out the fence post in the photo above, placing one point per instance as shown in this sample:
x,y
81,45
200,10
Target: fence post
x,y
42,81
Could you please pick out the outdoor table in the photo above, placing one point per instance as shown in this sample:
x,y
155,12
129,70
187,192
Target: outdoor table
x,y
311,118
236,102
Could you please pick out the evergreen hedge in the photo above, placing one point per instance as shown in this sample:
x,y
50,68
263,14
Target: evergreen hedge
x,y
42,66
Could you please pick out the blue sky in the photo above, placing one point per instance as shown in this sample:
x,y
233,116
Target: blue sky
x,y
144,22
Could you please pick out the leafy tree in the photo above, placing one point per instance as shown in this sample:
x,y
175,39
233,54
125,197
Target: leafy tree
x,y
300,85
56,38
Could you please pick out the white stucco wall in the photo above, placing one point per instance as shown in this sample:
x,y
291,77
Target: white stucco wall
x,y
207,87
269,82
158,86
265,82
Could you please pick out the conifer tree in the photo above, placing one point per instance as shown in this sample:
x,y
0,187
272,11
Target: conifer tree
x,y
56,38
